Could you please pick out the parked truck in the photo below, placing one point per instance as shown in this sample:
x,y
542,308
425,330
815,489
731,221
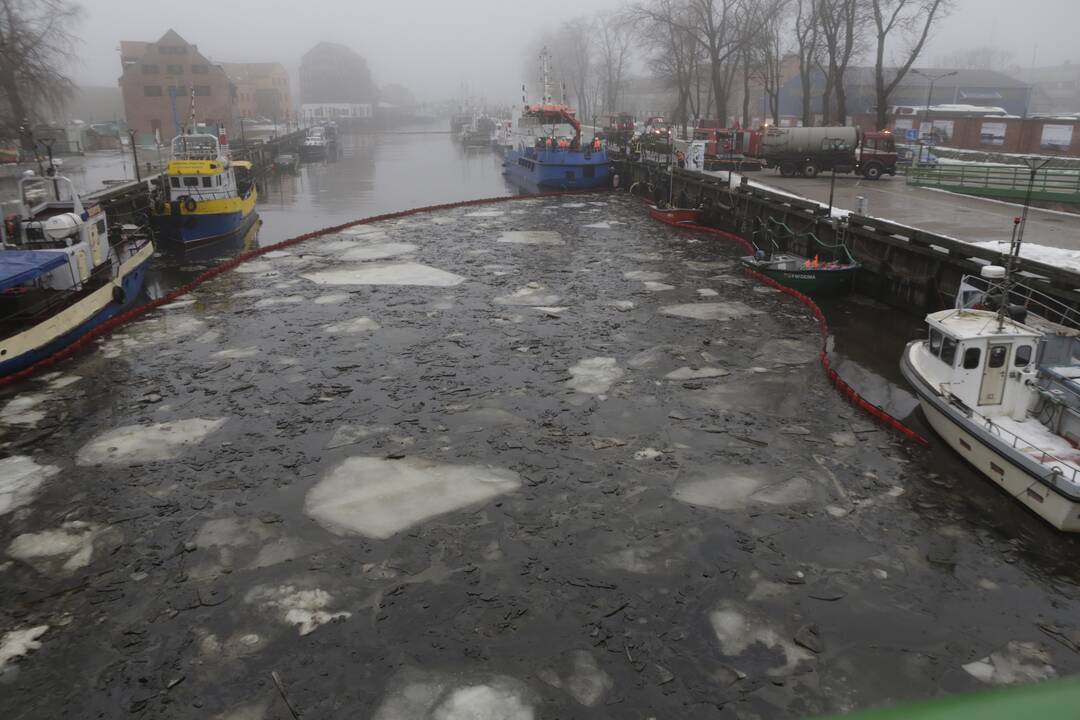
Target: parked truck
x,y
811,150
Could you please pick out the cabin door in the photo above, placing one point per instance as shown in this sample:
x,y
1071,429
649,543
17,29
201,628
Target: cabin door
x,y
993,379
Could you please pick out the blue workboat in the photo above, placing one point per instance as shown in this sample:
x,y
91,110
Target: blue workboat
x,y
557,159
61,274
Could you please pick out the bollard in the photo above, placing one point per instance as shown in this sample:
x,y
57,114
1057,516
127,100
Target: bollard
x,y
860,204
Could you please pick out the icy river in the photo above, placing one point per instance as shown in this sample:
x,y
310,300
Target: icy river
x,y
538,459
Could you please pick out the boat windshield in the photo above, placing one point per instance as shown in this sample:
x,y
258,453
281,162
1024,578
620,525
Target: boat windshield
x,y
195,147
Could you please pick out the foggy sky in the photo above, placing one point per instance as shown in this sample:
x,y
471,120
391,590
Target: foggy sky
x,y
433,46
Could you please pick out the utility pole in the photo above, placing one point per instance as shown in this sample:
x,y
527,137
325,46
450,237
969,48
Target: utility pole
x,y
134,154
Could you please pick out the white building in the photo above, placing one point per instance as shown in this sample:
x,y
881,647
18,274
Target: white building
x,y
314,113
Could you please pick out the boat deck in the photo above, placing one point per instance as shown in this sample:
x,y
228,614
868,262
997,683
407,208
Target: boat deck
x,y
1033,439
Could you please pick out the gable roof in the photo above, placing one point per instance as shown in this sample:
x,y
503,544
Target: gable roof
x,y
964,78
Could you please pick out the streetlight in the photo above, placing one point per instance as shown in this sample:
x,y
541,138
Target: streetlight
x,y
929,97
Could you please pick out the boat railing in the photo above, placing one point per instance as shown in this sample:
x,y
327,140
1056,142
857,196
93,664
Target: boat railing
x,y
1059,468
774,226
976,290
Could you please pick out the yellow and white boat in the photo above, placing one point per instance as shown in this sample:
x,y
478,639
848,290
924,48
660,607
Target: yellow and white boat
x,y
209,195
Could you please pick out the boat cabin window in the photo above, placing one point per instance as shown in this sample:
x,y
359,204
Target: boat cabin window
x,y
207,181
174,181
217,179
971,358
998,355
1023,356
191,182
935,342
948,351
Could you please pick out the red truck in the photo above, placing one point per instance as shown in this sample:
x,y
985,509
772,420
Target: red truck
x,y
724,143
619,128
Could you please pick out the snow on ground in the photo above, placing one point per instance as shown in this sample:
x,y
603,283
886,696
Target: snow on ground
x,y
1058,257
378,498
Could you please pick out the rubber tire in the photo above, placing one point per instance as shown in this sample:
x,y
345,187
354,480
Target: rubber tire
x,y
787,169
872,171
119,295
810,170
189,203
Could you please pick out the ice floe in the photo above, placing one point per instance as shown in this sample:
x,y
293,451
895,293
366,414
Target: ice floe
x,y
603,225
377,498
736,490
737,632
419,695
331,299
405,273
253,292
351,434
1017,662
622,305
238,353
58,551
378,251
707,292
689,373
255,266
284,300
710,311
531,237
275,254
231,532
20,478
365,231
19,642
307,609
24,410
145,443
595,376
644,275
658,286
531,294
236,645
351,327
580,675
181,302
787,351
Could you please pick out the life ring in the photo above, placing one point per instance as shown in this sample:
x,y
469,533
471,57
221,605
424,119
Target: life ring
x,y
119,295
188,203
11,225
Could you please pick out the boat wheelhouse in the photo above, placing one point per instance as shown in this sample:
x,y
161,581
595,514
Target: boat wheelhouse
x,y
62,273
209,196
315,143
998,378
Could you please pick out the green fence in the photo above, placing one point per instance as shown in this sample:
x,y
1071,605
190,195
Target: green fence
x,y
997,181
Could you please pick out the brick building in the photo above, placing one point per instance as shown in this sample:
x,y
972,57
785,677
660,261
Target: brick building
x,y
261,90
157,81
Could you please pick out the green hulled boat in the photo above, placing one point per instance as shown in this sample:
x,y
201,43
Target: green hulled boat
x,y
810,276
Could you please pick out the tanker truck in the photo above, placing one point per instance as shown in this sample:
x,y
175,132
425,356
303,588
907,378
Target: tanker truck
x,y
808,151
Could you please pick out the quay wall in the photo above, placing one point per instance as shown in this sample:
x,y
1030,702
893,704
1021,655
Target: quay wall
x,y
902,266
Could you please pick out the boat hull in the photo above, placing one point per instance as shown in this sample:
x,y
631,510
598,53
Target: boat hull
x,y
999,464
823,281
676,216
67,326
210,222
558,170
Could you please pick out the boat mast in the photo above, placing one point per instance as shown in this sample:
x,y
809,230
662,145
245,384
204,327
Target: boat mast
x,y
1034,164
545,75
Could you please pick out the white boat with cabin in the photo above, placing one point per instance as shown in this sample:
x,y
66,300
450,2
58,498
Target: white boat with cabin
x,y
998,378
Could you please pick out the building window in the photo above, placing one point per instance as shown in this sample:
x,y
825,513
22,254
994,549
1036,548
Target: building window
x,y
199,69
150,69
174,69
172,49
152,90
202,90
177,90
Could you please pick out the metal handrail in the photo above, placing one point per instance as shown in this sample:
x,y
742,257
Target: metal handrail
x,y
1037,303
1043,454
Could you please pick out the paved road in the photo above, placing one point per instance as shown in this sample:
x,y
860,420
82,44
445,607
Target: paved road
x,y
964,218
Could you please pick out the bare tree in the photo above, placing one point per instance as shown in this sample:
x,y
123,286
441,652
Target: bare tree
x,y
36,43
766,29
807,45
574,61
715,24
910,21
664,26
613,56
840,22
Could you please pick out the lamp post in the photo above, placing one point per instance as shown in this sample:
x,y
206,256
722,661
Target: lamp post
x,y
929,98
134,154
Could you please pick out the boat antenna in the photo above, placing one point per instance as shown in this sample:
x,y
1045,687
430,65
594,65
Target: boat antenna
x,y
191,126
524,96
1034,165
545,74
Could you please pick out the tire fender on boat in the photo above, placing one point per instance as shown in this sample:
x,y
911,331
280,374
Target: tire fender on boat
x,y
189,203
119,295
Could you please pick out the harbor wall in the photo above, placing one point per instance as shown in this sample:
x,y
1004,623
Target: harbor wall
x,y
903,266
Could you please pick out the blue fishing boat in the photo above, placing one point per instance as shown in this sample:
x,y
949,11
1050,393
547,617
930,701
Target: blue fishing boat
x,y
61,274
555,158
209,196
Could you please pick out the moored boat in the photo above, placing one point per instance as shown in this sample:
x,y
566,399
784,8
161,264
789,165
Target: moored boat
x,y
1000,383
807,275
676,216
209,195
61,273
315,144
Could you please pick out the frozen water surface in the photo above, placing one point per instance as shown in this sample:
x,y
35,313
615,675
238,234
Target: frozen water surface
x,y
19,642
485,214
351,434
238,353
331,299
59,551
595,376
531,237
418,695
307,609
580,675
377,498
531,294
20,478
737,632
255,266
286,300
1017,662
658,286
644,275
23,409
738,490
144,443
688,373
406,273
